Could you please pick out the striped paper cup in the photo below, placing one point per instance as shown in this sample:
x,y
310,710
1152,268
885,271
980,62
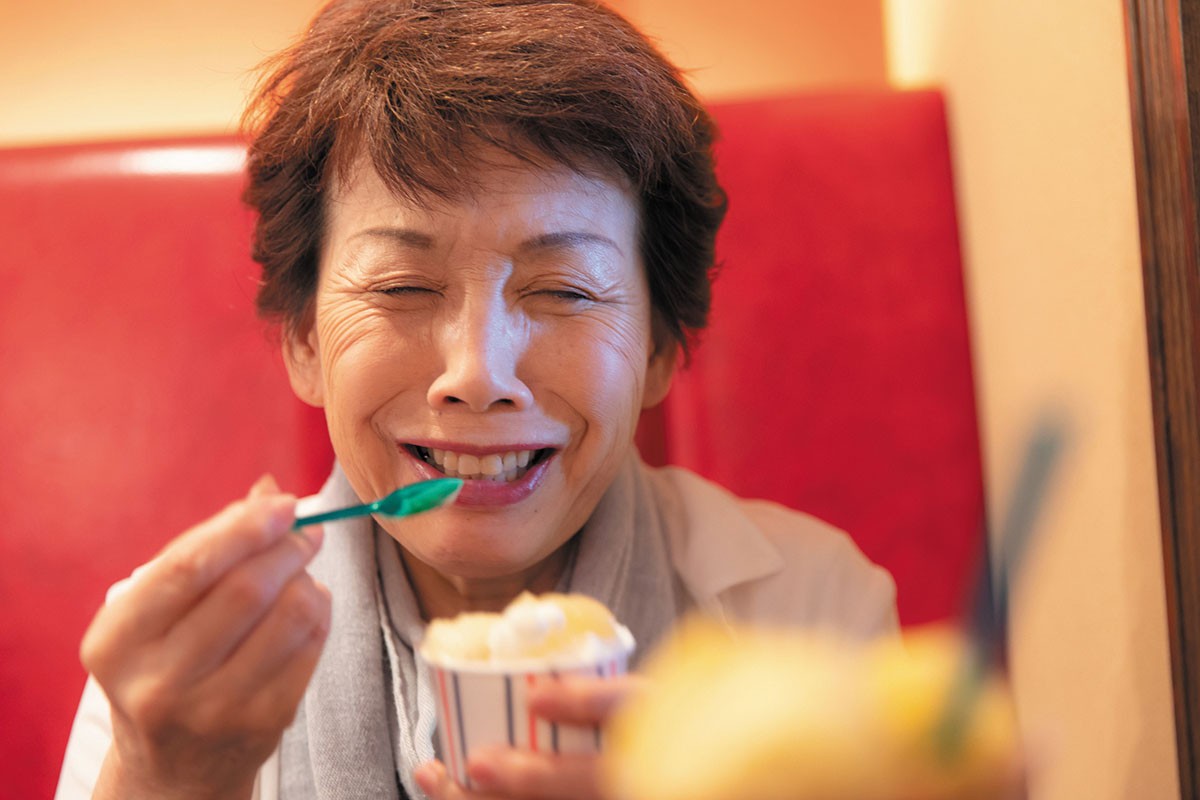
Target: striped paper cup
x,y
482,705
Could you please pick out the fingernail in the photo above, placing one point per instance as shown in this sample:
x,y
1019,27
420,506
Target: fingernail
x,y
281,513
482,774
315,535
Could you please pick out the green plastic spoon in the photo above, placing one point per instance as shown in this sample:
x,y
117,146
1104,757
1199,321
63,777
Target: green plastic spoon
x,y
415,498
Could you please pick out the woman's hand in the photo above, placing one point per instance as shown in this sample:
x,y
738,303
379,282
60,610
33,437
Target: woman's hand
x,y
206,655
503,772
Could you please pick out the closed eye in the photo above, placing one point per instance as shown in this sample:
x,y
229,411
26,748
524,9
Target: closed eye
x,y
565,294
406,290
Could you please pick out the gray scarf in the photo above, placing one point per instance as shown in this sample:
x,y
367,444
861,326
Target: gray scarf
x,y
368,720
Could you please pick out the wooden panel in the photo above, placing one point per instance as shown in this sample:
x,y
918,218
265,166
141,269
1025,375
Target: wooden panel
x,y
1164,59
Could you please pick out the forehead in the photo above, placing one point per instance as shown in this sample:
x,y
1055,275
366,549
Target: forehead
x,y
496,184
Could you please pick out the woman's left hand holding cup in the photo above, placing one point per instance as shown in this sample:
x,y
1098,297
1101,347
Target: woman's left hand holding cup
x,y
504,773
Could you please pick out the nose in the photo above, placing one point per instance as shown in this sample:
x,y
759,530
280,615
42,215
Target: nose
x,y
481,349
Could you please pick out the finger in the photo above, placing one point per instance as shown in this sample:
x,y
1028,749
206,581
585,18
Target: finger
x,y
538,776
272,667
262,705
189,566
283,680
436,782
193,563
244,596
582,700
431,777
303,610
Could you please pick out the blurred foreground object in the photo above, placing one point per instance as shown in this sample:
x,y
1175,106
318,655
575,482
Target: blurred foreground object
x,y
775,715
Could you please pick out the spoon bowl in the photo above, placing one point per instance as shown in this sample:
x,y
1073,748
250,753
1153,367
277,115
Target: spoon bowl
x,y
416,498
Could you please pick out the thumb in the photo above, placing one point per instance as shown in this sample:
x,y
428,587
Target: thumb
x,y
263,486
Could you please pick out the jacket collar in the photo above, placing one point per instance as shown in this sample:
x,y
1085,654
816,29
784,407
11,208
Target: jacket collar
x,y
714,545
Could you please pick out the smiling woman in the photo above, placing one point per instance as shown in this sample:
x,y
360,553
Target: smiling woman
x,y
513,324
486,228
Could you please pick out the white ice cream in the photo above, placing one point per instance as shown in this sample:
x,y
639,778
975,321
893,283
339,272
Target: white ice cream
x,y
552,629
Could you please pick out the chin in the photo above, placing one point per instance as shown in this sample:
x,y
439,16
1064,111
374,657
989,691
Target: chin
x,y
473,552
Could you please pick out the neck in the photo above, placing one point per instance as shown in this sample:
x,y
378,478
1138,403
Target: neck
x,y
441,596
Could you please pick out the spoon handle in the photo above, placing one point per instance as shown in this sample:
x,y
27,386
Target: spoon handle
x,y
329,516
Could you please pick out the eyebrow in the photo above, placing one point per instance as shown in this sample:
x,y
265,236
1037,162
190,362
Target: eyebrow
x,y
404,236
545,241
549,241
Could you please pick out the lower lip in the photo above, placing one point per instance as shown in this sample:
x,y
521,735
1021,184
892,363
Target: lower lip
x,y
483,494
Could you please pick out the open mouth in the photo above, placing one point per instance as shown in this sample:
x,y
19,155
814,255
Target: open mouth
x,y
499,467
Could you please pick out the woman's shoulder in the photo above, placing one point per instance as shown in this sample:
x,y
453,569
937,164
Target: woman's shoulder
x,y
759,561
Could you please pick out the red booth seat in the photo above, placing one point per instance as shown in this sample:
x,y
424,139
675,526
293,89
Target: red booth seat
x,y
142,394
835,376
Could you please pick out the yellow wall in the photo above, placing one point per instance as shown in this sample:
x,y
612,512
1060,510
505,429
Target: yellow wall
x,y
87,69
1040,119
760,46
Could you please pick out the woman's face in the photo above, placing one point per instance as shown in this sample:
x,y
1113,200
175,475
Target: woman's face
x,y
504,338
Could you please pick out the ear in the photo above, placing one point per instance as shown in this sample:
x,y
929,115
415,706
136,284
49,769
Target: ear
x,y
302,355
660,369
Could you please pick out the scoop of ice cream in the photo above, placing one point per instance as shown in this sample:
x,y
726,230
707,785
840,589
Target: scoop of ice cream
x,y
551,627
465,638
784,716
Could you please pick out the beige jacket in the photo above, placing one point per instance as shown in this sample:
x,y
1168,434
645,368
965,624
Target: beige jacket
x,y
740,560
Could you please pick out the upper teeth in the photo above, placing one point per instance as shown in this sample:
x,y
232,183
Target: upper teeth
x,y
493,466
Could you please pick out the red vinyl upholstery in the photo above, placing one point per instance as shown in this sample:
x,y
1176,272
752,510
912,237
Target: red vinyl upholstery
x,y
142,395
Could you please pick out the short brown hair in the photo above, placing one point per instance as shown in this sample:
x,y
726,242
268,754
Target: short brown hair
x,y
413,84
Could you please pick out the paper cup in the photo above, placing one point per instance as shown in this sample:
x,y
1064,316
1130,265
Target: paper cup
x,y
482,705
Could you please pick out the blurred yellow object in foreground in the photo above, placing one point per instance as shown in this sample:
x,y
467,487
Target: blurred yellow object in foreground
x,y
774,715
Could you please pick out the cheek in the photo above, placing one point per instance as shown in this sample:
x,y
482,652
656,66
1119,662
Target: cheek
x,y
366,365
602,374
364,354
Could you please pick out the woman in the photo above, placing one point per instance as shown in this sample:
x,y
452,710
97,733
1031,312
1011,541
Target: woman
x,y
486,229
